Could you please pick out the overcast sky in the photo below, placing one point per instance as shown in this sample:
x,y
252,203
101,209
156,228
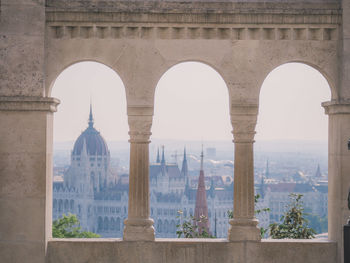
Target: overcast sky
x,y
192,104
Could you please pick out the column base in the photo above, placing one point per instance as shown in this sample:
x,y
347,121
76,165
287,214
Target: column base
x,y
138,230
244,230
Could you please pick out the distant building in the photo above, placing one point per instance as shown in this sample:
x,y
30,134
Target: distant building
x,y
100,198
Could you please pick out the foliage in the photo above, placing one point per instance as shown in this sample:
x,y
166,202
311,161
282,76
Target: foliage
x,y
263,231
189,229
69,227
294,225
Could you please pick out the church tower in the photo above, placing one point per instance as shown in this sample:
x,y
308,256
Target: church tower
x,y
201,208
184,169
318,172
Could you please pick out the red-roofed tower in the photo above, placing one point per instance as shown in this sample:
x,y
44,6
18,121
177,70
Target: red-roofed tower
x,y
201,208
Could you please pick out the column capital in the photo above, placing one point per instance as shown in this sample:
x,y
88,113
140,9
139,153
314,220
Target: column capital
x,y
140,123
243,122
27,103
336,107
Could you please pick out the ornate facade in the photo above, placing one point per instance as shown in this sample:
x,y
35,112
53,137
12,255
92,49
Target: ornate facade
x,y
100,199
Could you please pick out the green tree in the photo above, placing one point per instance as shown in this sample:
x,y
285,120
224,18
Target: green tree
x,y
69,227
294,224
189,229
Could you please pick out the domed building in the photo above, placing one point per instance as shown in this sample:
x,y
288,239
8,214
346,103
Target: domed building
x,y
90,160
89,188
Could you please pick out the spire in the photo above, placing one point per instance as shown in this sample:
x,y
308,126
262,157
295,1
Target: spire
x,y
158,158
267,172
202,155
201,208
262,190
91,119
318,172
163,158
184,169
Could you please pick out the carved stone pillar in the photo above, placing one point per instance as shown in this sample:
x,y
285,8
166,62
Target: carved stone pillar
x,y
244,224
138,225
25,177
338,169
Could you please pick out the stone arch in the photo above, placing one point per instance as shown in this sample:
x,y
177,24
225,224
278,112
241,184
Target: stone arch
x,y
274,92
199,95
328,76
53,75
167,67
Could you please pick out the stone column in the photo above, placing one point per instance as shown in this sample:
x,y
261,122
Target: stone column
x,y
244,224
338,170
138,225
25,177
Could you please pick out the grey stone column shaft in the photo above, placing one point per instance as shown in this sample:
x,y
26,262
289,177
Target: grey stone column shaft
x,y
138,225
338,170
244,224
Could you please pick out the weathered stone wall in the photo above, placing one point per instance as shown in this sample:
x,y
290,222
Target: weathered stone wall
x,y
191,251
22,30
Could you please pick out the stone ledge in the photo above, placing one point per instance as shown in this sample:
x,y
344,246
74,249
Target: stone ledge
x,y
59,31
165,18
22,103
176,7
190,250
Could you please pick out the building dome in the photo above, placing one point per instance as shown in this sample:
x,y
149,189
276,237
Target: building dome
x,y
94,142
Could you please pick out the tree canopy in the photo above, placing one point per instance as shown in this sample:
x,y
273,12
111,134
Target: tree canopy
x,y
294,224
69,227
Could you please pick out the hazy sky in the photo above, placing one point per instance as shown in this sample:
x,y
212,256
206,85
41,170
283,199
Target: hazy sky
x,y
192,103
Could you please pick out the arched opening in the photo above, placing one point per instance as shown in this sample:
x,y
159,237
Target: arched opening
x,y
191,114
291,151
91,150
